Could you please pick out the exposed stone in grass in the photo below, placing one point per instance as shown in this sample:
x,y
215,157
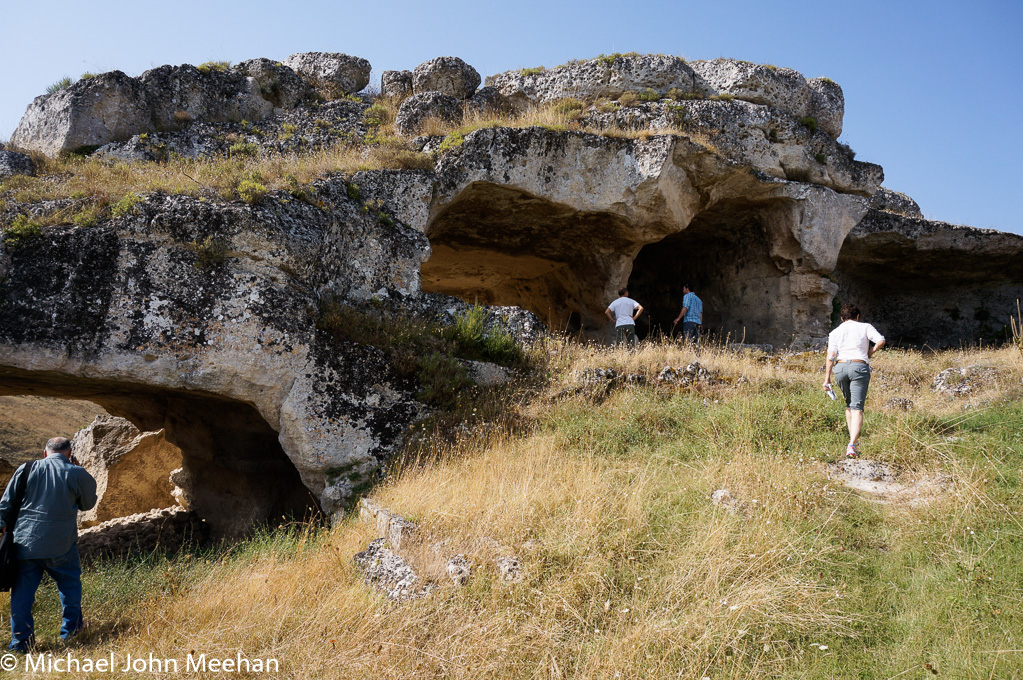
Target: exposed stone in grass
x,y
390,573
960,382
885,484
14,163
167,530
899,404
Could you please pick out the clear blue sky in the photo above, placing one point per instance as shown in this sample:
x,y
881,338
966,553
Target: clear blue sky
x,y
933,90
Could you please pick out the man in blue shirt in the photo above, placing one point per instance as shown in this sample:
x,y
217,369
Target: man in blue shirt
x,y
46,538
691,315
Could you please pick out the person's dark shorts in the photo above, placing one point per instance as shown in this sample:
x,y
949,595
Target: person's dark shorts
x,y
625,334
854,379
691,330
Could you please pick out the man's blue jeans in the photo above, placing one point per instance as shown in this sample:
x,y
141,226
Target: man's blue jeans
x,y
66,571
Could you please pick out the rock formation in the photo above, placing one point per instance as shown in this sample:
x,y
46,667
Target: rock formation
x,y
131,468
204,318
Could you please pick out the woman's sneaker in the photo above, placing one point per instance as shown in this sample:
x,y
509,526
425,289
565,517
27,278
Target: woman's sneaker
x,y
850,451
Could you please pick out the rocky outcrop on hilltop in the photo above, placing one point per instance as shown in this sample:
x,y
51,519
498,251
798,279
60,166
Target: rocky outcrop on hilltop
x,y
113,107
609,77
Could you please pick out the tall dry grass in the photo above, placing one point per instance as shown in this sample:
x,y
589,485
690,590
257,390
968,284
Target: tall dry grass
x,y
630,570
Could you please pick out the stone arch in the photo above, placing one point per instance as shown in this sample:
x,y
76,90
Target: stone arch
x,y
236,473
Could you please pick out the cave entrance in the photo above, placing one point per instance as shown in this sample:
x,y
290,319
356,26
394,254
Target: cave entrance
x,y
498,245
237,474
725,255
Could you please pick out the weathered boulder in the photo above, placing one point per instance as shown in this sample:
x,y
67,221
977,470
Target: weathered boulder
x,y
961,382
397,84
894,202
131,468
332,74
447,75
14,163
487,102
92,112
415,111
179,95
924,282
278,84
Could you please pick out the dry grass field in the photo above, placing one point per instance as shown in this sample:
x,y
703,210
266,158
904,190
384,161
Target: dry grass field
x,y
630,571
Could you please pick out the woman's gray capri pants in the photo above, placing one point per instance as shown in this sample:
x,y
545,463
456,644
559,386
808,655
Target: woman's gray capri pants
x,y
853,379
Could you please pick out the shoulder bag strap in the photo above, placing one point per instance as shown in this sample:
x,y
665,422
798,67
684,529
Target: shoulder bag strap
x,y
19,495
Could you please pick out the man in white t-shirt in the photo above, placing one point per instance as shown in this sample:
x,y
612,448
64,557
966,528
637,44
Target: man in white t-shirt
x,y
623,312
849,353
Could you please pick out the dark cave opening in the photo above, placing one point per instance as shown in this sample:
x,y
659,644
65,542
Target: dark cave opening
x,y
724,255
238,474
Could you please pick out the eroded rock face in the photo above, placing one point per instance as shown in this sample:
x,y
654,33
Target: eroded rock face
x,y
332,73
224,353
131,468
559,241
397,84
13,163
447,75
418,108
924,282
278,84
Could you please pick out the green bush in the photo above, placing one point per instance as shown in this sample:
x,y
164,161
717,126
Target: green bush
x,y
723,97
821,157
61,84
441,378
629,98
210,66
376,115
209,252
252,192
568,105
809,122
20,231
611,59
533,71
649,94
126,206
243,149
452,141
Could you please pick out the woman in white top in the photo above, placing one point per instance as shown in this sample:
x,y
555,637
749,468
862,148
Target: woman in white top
x,y
849,352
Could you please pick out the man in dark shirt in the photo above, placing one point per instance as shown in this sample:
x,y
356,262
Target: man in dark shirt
x,y
46,538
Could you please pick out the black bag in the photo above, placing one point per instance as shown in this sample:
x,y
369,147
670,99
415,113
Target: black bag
x,y
8,562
